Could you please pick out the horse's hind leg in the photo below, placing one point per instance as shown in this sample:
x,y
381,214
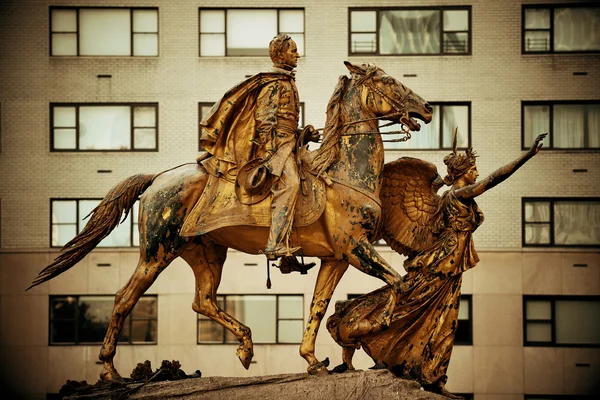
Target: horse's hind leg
x,y
207,262
330,273
145,274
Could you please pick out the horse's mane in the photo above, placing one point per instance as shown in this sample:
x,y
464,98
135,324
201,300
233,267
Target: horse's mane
x,y
329,150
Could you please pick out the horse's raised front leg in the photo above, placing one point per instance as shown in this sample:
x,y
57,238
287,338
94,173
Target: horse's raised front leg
x,y
145,274
365,258
207,261
330,273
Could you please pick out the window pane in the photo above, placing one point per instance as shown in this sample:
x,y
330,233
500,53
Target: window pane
x,y
64,117
299,39
456,116
290,331
212,44
463,311
94,316
290,307
145,308
409,32
212,21
145,21
145,44
456,42
85,207
250,31
568,126
120,236
61,234
537,234
537,211
64,308
456,20
64,211
144,116
363,21
539,332
536,120
593,125
259,312
577,223
538,309
143,331
104,32
64,21
65,139
537,18
363,42
576,29
64,44
63,332
104,127
144,138
537,41
209,331
578,322
291,21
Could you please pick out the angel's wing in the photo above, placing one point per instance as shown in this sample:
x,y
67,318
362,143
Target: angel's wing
x,y
410,204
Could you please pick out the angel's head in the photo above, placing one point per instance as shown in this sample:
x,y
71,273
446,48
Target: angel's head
x,y
460,165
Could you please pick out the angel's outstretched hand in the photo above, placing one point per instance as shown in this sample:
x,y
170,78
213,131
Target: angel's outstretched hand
x,y
537,145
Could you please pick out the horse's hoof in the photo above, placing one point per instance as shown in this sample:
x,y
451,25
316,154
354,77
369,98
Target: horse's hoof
x,y
111,375
319,368
245,355
343,367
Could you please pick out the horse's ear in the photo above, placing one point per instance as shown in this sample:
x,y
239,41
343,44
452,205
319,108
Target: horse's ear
x,y
355,69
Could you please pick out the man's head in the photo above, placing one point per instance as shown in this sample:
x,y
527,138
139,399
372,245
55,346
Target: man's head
x,y
283,50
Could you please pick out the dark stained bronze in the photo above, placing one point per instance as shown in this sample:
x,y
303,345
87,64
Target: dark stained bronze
x,y
339,216
435,233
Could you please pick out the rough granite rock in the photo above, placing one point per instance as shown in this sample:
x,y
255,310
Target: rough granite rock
x,y
367,385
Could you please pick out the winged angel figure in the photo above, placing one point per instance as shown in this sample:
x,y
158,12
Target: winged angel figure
x,y
435,233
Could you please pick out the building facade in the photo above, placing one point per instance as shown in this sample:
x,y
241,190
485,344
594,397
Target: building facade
x,y
92,92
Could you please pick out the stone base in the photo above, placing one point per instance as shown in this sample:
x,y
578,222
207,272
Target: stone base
x,y
379,384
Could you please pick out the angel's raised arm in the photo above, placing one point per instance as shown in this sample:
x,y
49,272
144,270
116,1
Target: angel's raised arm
x,y
501,174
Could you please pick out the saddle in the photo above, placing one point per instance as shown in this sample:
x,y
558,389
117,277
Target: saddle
x,y
220,206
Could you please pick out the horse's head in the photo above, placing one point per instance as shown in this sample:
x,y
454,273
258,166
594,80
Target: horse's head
x,y
388,98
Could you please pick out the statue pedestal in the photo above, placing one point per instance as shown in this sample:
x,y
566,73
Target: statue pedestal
x,y
380,384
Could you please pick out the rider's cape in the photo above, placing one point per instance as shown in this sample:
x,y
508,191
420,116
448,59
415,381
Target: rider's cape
x,y
229,128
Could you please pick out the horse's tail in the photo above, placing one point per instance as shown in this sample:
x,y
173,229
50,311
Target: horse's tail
x,y
104,218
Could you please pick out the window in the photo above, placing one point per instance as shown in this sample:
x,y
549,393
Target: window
x,y
437,135
104,127
67,221
561,321
247,32
564,222
464,330
556,397
83,31
554,28
85,319
410,31
571,125
204,109
272,318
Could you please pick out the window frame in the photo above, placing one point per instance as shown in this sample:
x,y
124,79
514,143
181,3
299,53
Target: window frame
x,y
551,8
441,9
76,321
78,29
226,9
132,127
441,147
202,104
552,201
549,144
79,217
553,299
223,341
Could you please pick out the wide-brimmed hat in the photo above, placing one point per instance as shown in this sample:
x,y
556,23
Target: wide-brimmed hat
x,y
253,182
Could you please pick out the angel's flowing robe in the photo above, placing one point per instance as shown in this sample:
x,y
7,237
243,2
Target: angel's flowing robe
x,y
418,344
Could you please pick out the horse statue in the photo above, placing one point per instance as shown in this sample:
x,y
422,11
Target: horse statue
x,y
350,159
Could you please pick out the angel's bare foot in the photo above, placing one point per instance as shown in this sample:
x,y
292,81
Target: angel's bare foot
x,y
440,388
